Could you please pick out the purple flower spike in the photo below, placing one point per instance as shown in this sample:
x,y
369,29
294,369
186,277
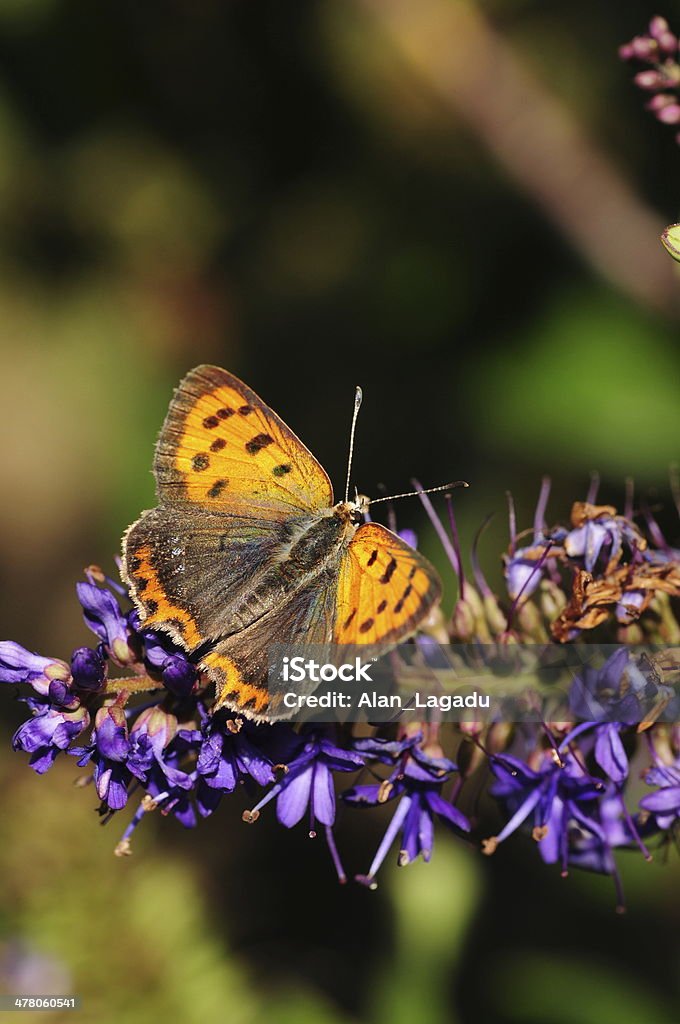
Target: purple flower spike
x,y
103,616
17,665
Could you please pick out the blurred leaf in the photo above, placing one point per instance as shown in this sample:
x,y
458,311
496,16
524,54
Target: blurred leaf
x,y
592,385
432,904
534,988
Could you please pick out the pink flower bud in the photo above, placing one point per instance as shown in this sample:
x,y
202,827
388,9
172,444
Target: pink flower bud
x,y
661,100
644,48
669,114
650,80
668,43
658,26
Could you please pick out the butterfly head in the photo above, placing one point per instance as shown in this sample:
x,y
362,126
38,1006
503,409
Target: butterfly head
x,y
354,511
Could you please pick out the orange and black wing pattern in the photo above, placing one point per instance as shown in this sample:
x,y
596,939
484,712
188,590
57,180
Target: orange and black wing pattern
x,y
223,449
385,589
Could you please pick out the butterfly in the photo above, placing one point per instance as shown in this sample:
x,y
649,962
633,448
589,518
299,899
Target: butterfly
x,y
247,547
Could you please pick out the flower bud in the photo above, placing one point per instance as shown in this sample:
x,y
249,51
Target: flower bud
x,y
17,665
159,725
88,669
463,622
496,618
552,600
644,48
658,102
498,737
669,114
659,29
530,622
651,80
179,675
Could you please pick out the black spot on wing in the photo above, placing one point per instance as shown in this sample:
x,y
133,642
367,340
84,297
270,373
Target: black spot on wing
x,y
245,410
217,488
389,571
400,603
225,413
200,462
349,619
257,443
218,444
210,422
374,555
366,625
282,469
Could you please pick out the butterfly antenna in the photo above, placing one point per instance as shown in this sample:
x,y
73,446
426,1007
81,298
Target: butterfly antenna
x,y
429,490
358,398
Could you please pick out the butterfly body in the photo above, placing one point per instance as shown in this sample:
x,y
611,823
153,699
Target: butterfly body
x,y
246,547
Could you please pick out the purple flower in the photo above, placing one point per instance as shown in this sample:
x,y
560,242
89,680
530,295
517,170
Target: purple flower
x,y
308,785
601,539
177,672
551,800
226,758
103,616
664,803
108,750
308,782
597,693
575,818
525,567
417,785
17,665
88,669
47,732
150,737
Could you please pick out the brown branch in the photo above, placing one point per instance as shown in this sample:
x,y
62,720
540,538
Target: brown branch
x,y
458,55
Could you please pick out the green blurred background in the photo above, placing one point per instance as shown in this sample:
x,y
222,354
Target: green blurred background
x,y
454,204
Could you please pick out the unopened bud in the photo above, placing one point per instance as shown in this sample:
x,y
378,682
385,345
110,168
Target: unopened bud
x,y
498,738
669,114
552,600
463,622
496,618
651,80
644,48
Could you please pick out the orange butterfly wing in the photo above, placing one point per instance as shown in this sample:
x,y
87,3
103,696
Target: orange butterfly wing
x,y
223,449
385,589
